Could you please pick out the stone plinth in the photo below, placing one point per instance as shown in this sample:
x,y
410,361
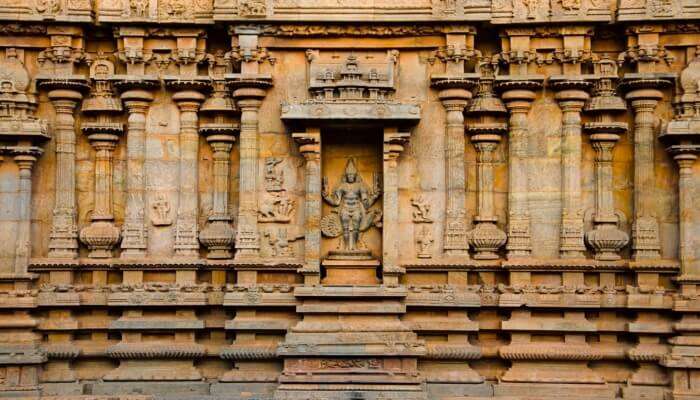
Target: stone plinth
x,y
350,272
350,340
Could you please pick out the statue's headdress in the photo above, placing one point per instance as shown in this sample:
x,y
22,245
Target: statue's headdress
x,y
350,167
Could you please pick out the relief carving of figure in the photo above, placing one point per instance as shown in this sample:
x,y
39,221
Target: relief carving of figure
x,y
274,177
279,243
571,5
276,207
49,6
421,210
137,8
352,199
531,6
252,8
160,215
424,240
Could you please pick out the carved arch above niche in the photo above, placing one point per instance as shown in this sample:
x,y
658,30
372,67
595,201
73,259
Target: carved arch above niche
x,y
346,86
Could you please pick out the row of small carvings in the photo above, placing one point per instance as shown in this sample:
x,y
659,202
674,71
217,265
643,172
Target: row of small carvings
x,y
172,294
536,351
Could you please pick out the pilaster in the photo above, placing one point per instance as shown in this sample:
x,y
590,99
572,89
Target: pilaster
x,y
187,225
518,93
25,157
101,236
606,238
643,92
454,93
571,93
64,226
137,98
218,235
486,238
310,147
394,142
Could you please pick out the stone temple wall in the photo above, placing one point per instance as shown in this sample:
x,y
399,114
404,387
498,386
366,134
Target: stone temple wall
x,y
350,199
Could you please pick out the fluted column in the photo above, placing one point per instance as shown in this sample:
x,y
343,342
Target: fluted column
x,y
247,235
455,238
393,146
518,97
135,233
643,95
571,96
186,231
25,159
63,241
310,147
686,205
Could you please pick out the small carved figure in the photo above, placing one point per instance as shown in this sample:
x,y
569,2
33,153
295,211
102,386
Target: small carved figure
x,y
661,7
421,211
274,177
353,199
160,215
571,5
252,8
175,8
276,207
49,6
425,240
531,6
137,8
279,243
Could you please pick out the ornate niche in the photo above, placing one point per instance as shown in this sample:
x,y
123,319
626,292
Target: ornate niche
x,y
362,128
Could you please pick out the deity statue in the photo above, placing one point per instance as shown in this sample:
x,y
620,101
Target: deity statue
x,y
352,199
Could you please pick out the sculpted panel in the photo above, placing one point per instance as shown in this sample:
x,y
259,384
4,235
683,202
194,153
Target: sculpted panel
x,y
348,200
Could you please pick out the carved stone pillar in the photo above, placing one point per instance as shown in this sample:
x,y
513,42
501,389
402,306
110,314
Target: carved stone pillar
x,y
393,146
134,232
686,203
644,93
518,96
248,100
606,238
454,95
101,235
64,227
310,147
25,157
571,95
218,235
186,230
486,238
